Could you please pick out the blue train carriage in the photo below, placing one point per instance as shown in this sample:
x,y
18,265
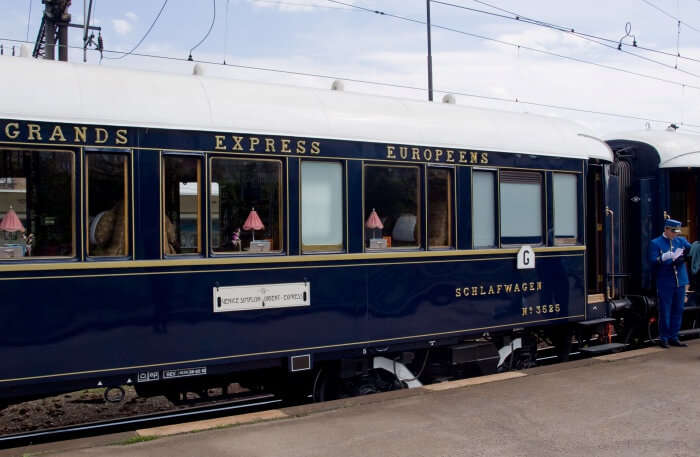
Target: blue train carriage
x,y
178,232
657,177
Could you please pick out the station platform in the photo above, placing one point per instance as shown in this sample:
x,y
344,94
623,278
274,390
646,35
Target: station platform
x,y
635,403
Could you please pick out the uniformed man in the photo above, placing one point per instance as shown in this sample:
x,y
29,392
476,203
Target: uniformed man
x,y
666,254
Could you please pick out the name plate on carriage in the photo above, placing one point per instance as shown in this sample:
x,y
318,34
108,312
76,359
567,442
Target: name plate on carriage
x,y
261,296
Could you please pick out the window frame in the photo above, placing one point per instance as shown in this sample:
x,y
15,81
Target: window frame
x,y
129,231
495,172
75,196
202,197
567,241
282,188
520,241
325,249
419,217
452,208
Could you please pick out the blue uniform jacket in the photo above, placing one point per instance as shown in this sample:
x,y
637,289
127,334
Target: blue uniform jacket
x,y
668,274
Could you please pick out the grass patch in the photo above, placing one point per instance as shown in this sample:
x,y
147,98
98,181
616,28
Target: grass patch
x,y
137,439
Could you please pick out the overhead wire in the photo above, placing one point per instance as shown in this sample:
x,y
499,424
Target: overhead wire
x,y
302,5
669,15
394,85
528,48
144,35
211,26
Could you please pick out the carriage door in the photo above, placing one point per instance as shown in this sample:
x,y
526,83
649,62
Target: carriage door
x,y
595,240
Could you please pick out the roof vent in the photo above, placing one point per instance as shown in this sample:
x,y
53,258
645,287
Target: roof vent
x,y
338,85
198,69
449,99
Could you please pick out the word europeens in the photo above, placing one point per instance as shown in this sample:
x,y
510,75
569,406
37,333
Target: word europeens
x,y
436,155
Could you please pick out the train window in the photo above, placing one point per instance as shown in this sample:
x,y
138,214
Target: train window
x,y
392,197
484,209
182,194
521,202
107,195
37,202
321,206
440,207
245,205
564,188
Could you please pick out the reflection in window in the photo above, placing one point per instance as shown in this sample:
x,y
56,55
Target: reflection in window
x,y
565,208
521,207
182,203
484,209
245,203
391,206
36,204
439,207
107,203
321,206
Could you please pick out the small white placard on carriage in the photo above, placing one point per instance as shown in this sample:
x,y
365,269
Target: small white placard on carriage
x,y
261,296
526,258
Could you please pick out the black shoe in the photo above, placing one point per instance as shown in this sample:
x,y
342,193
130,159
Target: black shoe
x,y
677,343
663,344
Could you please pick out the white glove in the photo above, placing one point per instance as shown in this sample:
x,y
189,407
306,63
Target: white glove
x,y
677,253
666,256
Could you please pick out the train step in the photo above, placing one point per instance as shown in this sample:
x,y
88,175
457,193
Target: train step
x,y
689,332
602,320
602,348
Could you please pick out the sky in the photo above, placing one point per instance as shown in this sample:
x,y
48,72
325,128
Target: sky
x,y
327,38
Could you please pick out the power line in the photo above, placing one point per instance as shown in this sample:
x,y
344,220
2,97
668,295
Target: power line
x,y
565,29
520,46
307,5
213,19
667,14
398,86
144,35
596,40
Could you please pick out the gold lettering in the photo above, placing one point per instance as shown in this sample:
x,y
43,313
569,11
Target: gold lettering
x,y
301,147
538,309
462,156
484,157
539,285
466,291
237,146
516,288
450,158
285,145
532,286
524,287
458,292
508,288
254,141
80,134
220,146
491,292
390,152
524,312
438,154
427,155
498,288
415,153
473,157
544,309
403,152
315,147
269,145
121,136
481,290
34,133
475,290
557,308
57,133
551,308
101,135
12,134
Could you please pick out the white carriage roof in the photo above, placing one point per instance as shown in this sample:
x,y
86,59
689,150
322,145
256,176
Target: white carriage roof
x,y
674,149
32,89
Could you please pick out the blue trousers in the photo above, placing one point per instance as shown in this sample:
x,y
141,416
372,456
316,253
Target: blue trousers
x,y
671,301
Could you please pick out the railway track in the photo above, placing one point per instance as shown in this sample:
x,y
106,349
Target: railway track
x,y
239,406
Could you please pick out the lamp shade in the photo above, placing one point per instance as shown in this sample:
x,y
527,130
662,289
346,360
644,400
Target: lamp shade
x,y
373,221
11,223
253,221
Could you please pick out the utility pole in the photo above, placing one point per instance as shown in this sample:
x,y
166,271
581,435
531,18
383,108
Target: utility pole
x,y
54,30
430,56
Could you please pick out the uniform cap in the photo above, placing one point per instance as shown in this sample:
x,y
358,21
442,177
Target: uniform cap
x,y
673,224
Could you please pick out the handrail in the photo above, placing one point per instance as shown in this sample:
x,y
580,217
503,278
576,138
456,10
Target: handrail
x,y
611,213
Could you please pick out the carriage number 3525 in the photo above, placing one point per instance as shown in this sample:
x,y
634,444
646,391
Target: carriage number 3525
x,y
541,309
